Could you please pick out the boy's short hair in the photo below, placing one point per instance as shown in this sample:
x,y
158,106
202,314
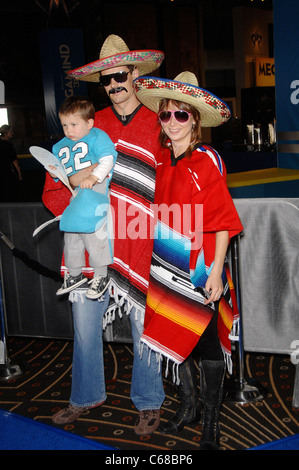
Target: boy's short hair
x,y
78,105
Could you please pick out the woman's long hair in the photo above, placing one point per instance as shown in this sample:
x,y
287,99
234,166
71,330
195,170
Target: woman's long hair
x,y
196,128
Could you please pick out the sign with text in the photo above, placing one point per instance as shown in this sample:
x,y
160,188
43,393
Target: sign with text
x,y
264,71
61,50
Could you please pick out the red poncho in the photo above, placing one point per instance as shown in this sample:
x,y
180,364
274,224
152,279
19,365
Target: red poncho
x,y
176,316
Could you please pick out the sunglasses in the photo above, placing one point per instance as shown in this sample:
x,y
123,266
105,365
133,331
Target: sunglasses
x,y
119,77
180,116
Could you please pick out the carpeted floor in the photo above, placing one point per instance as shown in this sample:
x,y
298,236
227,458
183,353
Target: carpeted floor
x,y
44,388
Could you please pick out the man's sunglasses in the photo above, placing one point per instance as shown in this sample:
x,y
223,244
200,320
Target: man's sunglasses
x,y
180,116
119,77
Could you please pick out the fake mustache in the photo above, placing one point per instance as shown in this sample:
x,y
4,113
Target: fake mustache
x,y
117,90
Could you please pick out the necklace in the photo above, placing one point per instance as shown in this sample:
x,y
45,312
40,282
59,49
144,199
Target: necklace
x,y
175,148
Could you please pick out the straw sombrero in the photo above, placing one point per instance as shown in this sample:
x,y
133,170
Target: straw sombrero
x,y
151,90
115,53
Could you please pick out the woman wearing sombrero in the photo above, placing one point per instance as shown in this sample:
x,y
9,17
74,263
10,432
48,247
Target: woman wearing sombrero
x,y
188,302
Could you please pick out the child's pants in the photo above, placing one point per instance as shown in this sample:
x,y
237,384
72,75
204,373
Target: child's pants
x,y
99,246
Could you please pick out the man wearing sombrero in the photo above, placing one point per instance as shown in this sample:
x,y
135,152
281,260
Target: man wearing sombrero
x,y
134,131
189,308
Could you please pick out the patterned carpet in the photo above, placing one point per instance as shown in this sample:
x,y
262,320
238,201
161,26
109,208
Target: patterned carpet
x,y
44,387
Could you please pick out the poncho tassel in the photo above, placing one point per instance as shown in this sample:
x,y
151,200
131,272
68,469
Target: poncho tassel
x,y
77,296
228,362
235,331
109,316
122,299
159,357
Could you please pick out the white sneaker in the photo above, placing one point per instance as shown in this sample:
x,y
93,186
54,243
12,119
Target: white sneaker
x,y
98,285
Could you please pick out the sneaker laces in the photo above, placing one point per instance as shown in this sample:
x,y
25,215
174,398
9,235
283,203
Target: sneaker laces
x,y
95,282
65,278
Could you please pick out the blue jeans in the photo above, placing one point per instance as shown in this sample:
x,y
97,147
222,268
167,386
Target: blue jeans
x,y
147,391
88,378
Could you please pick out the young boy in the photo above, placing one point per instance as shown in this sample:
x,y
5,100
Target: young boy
x,y
83,146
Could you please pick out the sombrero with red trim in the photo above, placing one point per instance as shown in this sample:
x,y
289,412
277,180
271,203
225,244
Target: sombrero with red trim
x,y
115,53
151,90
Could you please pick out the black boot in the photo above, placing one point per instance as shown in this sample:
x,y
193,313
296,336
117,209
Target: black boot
x,y
211,380
189,409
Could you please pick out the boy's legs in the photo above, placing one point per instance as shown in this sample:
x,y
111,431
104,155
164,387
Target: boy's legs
x,y
100,256
74,257
74,253
100,249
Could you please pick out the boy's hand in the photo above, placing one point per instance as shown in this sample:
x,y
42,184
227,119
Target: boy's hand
x,y
88,182
76,179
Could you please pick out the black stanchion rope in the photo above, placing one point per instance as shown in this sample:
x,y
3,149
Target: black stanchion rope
x,y
31,263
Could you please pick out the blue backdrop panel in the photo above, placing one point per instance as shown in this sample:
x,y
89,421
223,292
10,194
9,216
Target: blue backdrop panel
x,y
286,45
61,50
288,443
19,433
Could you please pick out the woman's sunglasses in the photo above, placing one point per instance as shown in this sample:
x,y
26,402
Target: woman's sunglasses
x,y
180,116
119,77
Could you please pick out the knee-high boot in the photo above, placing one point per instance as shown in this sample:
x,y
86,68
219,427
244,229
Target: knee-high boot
x,y
211,380
189,408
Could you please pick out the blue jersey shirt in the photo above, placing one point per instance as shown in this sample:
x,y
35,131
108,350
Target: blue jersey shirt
x,y
77,155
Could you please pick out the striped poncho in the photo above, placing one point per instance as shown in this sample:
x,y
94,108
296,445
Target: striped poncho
x,y
132,197
196,192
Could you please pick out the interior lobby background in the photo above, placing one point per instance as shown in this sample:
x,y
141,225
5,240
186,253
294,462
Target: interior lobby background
x,y
213,39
